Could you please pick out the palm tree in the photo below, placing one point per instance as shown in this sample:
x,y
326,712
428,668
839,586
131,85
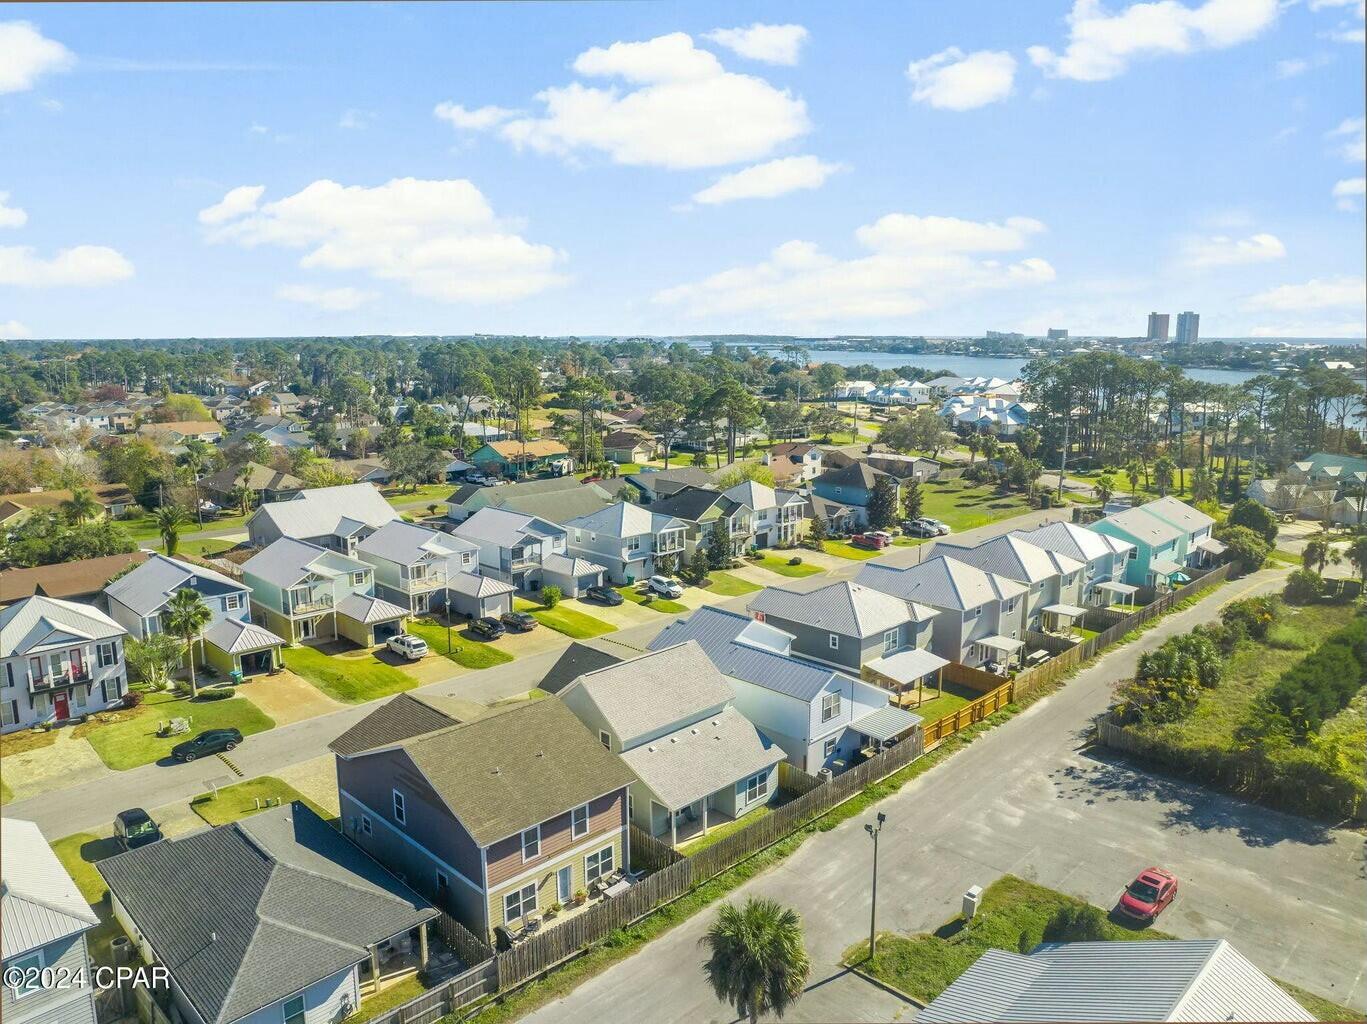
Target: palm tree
x,y
186,617
758,963
1104,487
989,445
170,520
80,506
974,444
1163,470
1132,472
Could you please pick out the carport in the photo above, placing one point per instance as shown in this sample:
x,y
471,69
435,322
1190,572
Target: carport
x,y
234,646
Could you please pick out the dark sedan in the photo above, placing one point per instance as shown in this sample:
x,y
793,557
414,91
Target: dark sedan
x,y
606,595
488,627
213,741
521,622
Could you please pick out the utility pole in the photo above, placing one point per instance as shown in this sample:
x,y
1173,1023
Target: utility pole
x,y
1063,456
873,902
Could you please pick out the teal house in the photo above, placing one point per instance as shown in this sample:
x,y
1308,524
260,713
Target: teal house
x,y
1158,556
513,458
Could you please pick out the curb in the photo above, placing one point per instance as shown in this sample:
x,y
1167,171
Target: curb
x,y
892,990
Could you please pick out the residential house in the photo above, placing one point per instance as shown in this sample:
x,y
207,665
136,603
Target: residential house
x,y
699,762
45,957
1053,581
628,445
264,484
837,518
115,500
413,564
1104,556
904,393
279,432
476,595
517,458
82,580
556,498
334,517
904,467
1004,417
372,470
1285,496
577,659
306,592
1149,980
626,540
1156,558
852,486
820,717
853,390
945,385
274,918
285,403
662,483
224,407
58,660
793,463
981,618
177,433
1198,547
231,643
494,819
700,509
1324,468
513,546
776,514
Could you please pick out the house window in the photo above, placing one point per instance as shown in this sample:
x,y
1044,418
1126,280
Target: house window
x,y
366,828
466,558
604,739
294,1010
9,712
829,748
400,808
232,602
579,822
633,543
26,973
890,641
357,579
1132,554
9,673
598,865
833,641
531,843
443,885
756,787
972,613
830,706
1011,605
415,572
519,903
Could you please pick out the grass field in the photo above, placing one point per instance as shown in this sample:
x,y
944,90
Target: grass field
x,y
729,585
132,739
563,619
239,801
465,651
425,495
844,549
779,564
965,506
78,854
207,547
936,706
720,832
659,604
144,528
352,679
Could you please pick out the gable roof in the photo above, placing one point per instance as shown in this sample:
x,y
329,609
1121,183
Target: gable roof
x,y
104,494
406,543
247,914
36,622
1013,557
404,717
286,561
504,528
516,767
236,636
370,610
557,506
257,478
754,494
1144,526
321,511
550,485
623,519
1074,541
666,481
515,450
477,585
655,691
39,902
80,578
854,474
689,503
1179,513
148,587
567,565
841,607
941,582
574,662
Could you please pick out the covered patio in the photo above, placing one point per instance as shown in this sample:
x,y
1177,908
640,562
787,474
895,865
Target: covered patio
x,y
1208,553
1112,593
884,728
907,670
1166,574
998,652
1059,618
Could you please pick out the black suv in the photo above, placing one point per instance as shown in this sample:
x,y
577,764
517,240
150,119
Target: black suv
x,y
605,594
488,627
135,827
520,621
213,741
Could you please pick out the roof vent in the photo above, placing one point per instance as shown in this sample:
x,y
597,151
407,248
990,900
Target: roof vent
x,y
540,753
651,748
693,731
673,739
495,770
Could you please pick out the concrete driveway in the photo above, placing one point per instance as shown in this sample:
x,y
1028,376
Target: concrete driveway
x,y
1030,798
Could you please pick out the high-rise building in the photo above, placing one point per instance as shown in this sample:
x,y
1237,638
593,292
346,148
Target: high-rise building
x,y
1188,327
1058,334
1158,327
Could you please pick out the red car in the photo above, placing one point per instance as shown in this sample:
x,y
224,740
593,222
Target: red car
x,y
872,541
1146,897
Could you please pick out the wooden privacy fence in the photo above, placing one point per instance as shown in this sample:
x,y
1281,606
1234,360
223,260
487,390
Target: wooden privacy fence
x,y
448,997
463,942
973,678
934,733
648,853
795,780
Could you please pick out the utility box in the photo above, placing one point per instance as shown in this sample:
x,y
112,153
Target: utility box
x,y
972,898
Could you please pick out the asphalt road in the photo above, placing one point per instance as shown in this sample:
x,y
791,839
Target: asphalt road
x,y
1028,798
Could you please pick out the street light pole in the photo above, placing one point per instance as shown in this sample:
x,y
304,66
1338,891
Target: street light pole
x,y
873,902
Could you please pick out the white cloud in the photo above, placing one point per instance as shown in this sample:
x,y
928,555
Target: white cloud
x,y
912,264
238,201
679,109
356,120
439,239
474,120
1346,31
772,44
1293,67
1353,130
1312,329
1223,251
13,330
331,300
953,80
11,216
1347,192
765,181
26,55
259,129
1314,294
1101,45
82,266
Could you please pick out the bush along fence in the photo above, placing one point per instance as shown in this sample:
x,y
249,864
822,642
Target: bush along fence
x,y
670,875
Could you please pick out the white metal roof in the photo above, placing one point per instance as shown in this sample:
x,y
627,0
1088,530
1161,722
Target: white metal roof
x,y
237,637
39,902
886,723
39,622
1000,643
908,666
322,510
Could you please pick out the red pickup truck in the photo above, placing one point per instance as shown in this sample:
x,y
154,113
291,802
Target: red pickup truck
x,y
871,541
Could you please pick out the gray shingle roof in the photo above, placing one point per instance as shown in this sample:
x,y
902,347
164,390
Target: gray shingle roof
x,y
38,621
1013,557
399,719
577,659
690,503
246,914
148,587
941,582
842,607
699,759
39,902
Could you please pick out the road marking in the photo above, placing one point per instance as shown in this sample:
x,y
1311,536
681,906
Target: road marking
x,y
236,770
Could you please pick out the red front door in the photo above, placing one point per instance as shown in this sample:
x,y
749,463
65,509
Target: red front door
x,y
61,706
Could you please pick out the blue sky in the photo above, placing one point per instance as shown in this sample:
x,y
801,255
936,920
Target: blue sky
x,y
172,170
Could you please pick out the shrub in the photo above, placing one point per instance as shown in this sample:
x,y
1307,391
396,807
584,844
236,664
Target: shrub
x,y
1246,546
1253,616
1157,700
1322,684
1248,513
215,693
1303,586
1076,922
795,560
132,699
1191,656
550,596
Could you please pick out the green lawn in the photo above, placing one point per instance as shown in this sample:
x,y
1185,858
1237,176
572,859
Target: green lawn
x,y
206,548
78,854
466,651
659,604
965,506
351,678
384,1001
936,706
427,494
239,801
720,832
729,585
778,564
563,619
844,549
132,740
909,542
144,528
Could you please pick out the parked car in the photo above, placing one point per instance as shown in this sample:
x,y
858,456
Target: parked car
x,y
941,529
664,586
488,627
135,827
608,596
869,541
520,622
407,645
918,528
1148,895
211,741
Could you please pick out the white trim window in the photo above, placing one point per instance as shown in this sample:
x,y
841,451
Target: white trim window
x,y
232,603
828,748
604,738
598,865
833,641
19,970
579,822
107,654
756,787
358,578
890,639
531,843
519,903
400,808
294,1010
830,706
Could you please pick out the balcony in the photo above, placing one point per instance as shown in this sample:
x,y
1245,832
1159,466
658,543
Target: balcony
x,y
434,580
49,681
306,604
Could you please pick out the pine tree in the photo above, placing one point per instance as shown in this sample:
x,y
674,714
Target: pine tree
x,y
719,545
883,504
911,499
817,533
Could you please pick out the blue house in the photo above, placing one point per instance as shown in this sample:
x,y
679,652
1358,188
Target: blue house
x,y
1158,555
852,486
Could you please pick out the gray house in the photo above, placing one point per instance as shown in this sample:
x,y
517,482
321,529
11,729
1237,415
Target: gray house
x,y
331,517
1103,555
46,920
626,540
275,919
413,563
513,546
1053,581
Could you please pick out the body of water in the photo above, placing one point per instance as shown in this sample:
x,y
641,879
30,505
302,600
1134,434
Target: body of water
x,y
981,366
